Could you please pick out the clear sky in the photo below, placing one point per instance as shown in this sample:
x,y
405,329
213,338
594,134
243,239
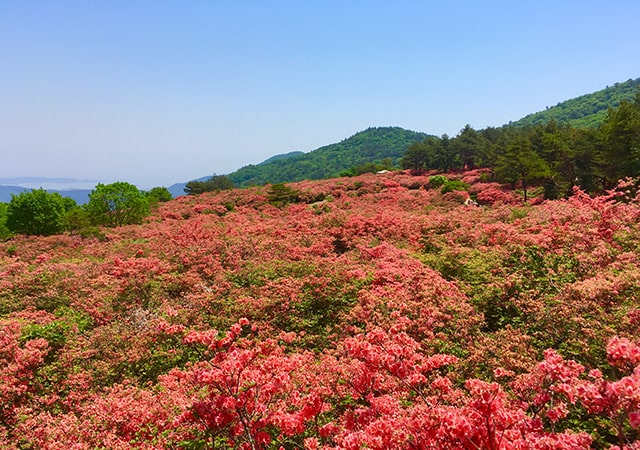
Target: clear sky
x,y
155,92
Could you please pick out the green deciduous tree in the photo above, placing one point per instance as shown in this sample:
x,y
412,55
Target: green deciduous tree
x,y
4,231
76,220
158,195
37,212
117,204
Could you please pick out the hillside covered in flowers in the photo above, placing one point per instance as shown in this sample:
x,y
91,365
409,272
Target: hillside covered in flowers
x,y
377,312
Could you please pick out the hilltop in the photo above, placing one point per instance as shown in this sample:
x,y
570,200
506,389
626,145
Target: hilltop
x,y
370,145
177,189
76,189
281,157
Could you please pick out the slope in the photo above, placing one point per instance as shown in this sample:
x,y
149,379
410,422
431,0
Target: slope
x,y
588,110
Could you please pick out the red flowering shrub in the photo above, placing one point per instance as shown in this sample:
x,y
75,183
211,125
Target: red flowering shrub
x,y
492,193
374,313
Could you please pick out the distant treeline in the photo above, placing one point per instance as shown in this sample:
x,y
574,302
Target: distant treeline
x,y
554,155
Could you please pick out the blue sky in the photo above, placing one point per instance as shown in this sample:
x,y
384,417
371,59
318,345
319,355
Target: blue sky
x,y
157,92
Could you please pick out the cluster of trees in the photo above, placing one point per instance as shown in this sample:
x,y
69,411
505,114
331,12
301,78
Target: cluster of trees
x,y
38,212
556,156
213,184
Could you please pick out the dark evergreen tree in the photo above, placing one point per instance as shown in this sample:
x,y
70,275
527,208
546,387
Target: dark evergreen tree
x,y
621,137
521,164
213,184
470,148
588,159
420,156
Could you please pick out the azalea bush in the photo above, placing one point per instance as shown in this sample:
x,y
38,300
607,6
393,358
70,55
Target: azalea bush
x,y
376,312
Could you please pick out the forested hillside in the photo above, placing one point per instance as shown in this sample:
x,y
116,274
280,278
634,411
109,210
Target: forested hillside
x,y
369,146
381,147
555,156
587,110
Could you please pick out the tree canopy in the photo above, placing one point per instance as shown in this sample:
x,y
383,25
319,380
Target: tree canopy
x,y
37,212
4,231
621,136
158,194
520,163
117,204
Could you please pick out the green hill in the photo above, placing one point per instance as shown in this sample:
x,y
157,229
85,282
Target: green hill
x,y
588,110
371,145
281,157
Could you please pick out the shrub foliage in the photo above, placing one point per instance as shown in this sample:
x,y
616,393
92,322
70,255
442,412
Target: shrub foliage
x,y
372,313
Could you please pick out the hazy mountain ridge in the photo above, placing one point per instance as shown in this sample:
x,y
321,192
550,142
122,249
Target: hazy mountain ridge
x,y
35,182
81,196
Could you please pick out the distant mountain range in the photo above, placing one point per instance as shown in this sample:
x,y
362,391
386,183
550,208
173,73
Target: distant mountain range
x,y
78,190
369,146
81,196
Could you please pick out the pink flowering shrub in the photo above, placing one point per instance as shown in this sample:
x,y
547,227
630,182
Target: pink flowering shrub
x,y
492,193
374,313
